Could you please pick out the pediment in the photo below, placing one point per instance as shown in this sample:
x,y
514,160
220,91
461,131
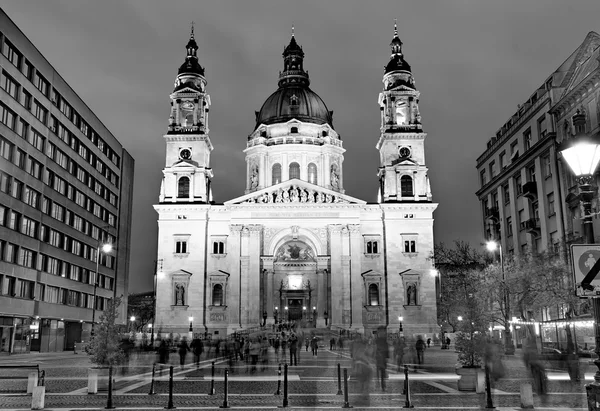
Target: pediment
x,y
295,191
184,163
404,162
186,90
181,273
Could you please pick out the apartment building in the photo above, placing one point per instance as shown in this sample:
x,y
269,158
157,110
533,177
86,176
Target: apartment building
x,y
528,195
66,186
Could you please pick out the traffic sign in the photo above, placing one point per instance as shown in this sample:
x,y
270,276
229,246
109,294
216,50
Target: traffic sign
x,y
584,257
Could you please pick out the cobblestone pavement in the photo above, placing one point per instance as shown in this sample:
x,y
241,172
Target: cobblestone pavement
x,y
312,384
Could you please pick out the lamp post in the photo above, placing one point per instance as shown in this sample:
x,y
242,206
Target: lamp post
x,y
314,316
326,316
191,330
275,314
287,314
264,318
400,325
582,154
509,348
132,320
105,248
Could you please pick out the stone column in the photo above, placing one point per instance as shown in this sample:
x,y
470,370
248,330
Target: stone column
x,y
251,310
197,104
177,113
356,281
321,297
337,306
233,292
262,172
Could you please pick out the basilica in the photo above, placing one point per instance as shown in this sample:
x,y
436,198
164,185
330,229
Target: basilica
x,y
294,246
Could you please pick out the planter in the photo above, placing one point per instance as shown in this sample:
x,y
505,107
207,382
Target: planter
x,y
471,379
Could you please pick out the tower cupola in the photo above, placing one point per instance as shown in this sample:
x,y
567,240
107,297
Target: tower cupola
x,y
293,71
191,73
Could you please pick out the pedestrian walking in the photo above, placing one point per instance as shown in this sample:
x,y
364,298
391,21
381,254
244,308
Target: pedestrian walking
x,y
254,354
332,344
536,367
306,343
163,355
428,342
314,346
448,343
197,349
381,355
183,350
399,347
362,371
420,347
293,349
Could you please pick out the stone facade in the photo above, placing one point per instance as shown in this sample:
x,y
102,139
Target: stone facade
x,y
295,246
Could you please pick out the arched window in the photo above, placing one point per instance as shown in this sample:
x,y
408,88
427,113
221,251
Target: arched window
x,y
373,294
406,186
294,170
276,173
294,130
183,187
312,173
217,295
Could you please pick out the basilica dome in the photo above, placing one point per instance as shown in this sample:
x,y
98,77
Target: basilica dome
x,y
294,99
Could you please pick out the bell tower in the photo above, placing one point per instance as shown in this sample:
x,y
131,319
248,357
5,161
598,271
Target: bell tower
x,y
402,171
187,173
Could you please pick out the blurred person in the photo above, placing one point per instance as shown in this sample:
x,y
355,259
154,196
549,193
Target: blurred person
x,y
361,370
197,349
492,360
331,344
293,349
306,343
264,353
571,362
340,343
314,345
448,341
399,347
254,354
163,355
428,342
536,367
420,347
276,348
183,350
381,355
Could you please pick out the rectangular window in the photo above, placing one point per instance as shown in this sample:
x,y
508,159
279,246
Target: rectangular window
x,y
11,53
181,247
531,173
542,128
25,289
502,160
527,139
28,227
22,129
40,112
65,108
551,210
36,140
25,99
63,134
514,151
509,229
492,169
3,213
26,258
5,182
483,178
33,167
28,70
518,185
506,194
42,84
61,159
9,85
8,286
55,238
19,158
10,253
57,211
16,189
547,166
51,294
6,149
521,217
31,197
7,116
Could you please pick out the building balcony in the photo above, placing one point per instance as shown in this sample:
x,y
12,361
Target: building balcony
x,y
492,213
531,226
530,190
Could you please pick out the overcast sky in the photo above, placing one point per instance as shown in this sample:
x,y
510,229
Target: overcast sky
x,y
473,62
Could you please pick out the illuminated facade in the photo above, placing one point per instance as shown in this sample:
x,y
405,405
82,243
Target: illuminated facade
x,y
295,246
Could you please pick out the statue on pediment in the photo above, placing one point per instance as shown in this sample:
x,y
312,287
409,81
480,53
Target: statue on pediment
x,y
279,196
303,196
294,195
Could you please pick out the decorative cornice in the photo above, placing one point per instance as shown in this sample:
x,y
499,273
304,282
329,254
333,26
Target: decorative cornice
x,y
181,208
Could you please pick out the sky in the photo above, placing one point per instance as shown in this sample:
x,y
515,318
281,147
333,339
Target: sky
x,y
473,61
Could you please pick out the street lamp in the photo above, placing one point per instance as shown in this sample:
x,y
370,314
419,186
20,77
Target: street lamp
x,y
132,319
275,314
105,248
191,320
287,315
459,318
400,320
582,154
509,348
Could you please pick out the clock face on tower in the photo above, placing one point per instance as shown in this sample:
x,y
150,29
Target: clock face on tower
x,y
404,152
185,154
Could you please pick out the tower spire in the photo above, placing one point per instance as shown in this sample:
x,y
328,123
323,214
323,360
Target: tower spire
x,y
192,34
395,27
292,29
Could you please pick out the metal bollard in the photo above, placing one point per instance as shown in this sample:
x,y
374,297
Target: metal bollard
x,y
152,382
225,391
170,405
212,381
278,381
109,404
346,403
285,386
488,388
339,380
407,404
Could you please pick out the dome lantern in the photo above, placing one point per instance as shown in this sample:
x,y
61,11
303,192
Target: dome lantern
x,y
397,62
191,65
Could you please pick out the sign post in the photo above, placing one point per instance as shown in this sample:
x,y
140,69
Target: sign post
x,y
586,265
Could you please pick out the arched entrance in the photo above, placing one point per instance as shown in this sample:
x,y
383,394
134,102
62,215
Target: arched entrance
x,y
295,282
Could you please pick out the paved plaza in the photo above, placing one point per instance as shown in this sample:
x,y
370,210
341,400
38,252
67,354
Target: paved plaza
x,y
312,384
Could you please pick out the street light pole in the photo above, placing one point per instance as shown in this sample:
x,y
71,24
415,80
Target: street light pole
x,y
509,348
105,248
582,154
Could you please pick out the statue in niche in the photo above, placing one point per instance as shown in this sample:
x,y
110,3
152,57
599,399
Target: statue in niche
x,y
254,177
411,294
335,177
179,294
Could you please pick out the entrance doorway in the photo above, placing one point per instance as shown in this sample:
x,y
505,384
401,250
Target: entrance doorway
x,y
295,308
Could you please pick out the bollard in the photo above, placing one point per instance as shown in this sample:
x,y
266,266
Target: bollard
x,y
346,403
42,380
170,405
152,382
285,386
212,381
278,381
488,388
339,380
526,395
407,404
109,404
225,391
38,397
